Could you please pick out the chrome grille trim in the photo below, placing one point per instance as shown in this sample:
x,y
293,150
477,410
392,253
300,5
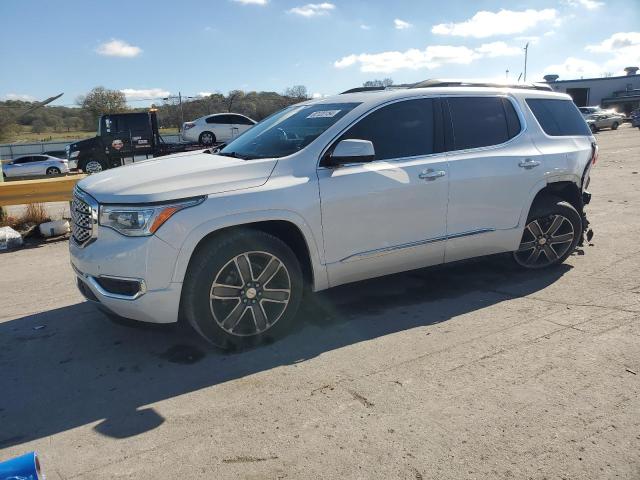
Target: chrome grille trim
x,y
84,218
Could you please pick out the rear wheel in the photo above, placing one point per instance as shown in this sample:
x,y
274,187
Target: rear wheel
x,y
552,233
242,289
207,139
53,171
615,126
593,128
92,166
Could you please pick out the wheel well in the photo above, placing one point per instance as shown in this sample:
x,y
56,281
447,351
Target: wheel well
x,y
286,231
567,191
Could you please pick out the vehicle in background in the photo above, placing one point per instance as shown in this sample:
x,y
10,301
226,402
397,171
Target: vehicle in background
x,y
635,118
216,128
122,138
34,165
332,191
597,118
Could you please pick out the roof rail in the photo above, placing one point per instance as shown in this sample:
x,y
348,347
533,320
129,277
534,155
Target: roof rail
x,y
434,82
363,89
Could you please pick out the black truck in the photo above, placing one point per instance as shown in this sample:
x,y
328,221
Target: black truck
x,y
122,138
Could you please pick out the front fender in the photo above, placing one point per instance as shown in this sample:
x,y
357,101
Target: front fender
x,y
196,235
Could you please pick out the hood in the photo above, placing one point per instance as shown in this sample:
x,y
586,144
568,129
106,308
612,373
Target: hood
x,y
83,144
176,176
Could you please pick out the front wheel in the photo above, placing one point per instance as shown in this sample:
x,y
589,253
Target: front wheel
x,y
242,289
53,171
552,233
615,126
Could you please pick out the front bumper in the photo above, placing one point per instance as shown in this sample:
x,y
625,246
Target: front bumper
x,y
131,277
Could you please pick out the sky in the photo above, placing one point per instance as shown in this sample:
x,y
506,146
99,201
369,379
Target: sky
x,y
151,48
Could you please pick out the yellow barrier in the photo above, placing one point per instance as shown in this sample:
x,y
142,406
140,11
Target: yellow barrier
x,y
38,191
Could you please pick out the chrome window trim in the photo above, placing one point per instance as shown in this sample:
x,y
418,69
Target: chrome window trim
x,y
385,250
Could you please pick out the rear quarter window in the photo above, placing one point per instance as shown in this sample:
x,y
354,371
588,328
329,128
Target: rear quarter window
x,y
558,118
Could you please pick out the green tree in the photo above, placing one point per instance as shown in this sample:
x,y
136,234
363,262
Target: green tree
x,y
38,126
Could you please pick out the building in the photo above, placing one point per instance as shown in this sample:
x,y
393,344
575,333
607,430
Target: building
x,y
620,93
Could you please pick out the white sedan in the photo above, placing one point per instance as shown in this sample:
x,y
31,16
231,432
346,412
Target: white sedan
x,y
217,128
34,165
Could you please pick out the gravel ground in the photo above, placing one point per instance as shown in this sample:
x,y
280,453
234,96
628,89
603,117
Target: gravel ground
x,y
473,370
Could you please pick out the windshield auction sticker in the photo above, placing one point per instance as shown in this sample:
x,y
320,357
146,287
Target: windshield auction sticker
x,y
323,114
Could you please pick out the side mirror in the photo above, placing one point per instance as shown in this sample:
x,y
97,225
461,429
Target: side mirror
x,y
351,151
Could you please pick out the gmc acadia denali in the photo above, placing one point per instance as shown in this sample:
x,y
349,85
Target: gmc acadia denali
x,y
332,191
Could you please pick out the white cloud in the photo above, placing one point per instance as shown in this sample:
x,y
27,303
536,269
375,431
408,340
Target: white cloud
x,y
588,4
505,22
498,49
532,39
144,93
431,57
413,59
205,94
118,48
401,24
623,49
365,27
313,9
317,95
617,41
20,96
575,68
251,2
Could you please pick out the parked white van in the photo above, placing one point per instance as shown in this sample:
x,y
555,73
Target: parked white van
x,y
332,191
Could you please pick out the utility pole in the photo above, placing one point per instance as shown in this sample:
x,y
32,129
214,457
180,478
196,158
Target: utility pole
x,y
506,74
526,52
182,111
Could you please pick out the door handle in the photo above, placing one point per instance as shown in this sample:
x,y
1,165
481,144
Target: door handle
x,y
528,163
431,174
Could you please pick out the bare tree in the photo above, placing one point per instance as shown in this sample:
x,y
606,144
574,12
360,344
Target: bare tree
x,y
101,100
298,92
385,82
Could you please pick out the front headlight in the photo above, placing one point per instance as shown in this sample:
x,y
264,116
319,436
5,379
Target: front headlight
x,y
140,221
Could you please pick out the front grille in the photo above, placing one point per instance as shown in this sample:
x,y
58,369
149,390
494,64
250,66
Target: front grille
x,y
81,219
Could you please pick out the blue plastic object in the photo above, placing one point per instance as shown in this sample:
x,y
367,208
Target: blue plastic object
x,y
24,467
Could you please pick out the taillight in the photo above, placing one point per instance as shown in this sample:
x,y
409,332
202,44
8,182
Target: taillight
x,y
189,125
594,153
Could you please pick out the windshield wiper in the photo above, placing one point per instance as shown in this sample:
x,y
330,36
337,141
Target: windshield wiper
x,y
240,155
235,155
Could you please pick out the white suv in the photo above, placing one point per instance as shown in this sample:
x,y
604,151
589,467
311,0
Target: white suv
x,y
218,128
333,191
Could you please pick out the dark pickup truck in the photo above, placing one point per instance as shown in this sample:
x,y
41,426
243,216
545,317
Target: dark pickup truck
x,y
122,138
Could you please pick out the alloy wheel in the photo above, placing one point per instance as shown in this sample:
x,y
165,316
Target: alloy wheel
x,y
544,241
52,171
250,293
206,138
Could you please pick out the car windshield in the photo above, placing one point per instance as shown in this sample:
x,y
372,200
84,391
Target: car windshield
x,y
286,131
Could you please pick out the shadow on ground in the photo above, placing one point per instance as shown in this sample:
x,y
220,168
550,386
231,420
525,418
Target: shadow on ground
x,y
68,367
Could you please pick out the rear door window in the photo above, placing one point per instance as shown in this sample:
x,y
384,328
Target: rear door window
x,y
558,118
402,129
482,121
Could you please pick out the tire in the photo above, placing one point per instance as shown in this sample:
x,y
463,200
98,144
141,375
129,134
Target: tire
x,y
92,166
615,126
207,139
53,171
553,230
593,128
226,302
